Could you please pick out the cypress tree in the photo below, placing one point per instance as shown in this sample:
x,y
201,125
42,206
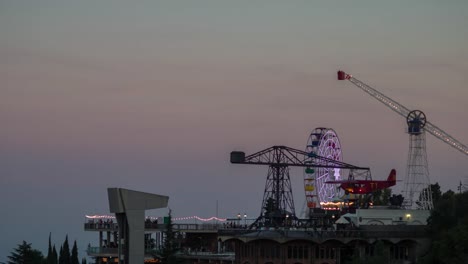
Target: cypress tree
x,y
169,247
74,254
49,251
54,256
60,258
66,252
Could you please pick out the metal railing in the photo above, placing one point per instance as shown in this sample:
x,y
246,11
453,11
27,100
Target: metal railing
x,y
101,226
97,251
101,251
310,233
155,226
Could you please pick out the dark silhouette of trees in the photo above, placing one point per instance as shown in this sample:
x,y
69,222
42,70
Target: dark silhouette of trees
x,y
381,197
396,200
65,257
74,254
25,254
51,253
448,226
272,214
380,256
54,256
435,191
49,259
169,249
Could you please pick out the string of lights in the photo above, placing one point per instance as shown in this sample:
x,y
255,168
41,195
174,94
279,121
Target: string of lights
x,y
100,216
213,218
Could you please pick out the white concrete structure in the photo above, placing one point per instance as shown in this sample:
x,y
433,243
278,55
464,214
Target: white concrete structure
x,y
129,208
387,216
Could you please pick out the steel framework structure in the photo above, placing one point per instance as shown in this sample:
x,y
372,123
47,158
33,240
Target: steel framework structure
x,y
403,111
278,203
417,190
417,178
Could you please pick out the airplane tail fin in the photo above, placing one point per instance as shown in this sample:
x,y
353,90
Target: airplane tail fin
x,y
392,176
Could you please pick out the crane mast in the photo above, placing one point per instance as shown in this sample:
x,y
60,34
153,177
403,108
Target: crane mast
x,y
403,111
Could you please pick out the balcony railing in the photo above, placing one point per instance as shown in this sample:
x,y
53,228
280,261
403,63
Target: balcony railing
x,y
154,226
99,251
101,226
113,252
325,234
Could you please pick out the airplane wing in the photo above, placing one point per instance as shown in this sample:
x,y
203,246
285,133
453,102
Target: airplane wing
x,y
343,181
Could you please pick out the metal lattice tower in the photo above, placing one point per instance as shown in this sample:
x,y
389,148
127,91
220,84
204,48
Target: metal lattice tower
x,y
417,183
278,203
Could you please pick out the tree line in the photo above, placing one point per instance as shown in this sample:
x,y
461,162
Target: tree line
x,y
447,227
24,253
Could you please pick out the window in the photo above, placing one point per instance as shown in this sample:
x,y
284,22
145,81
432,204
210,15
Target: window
x,y
300,252
369,250
397,252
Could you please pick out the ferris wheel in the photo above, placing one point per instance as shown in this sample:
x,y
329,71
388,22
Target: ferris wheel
x,y
325,143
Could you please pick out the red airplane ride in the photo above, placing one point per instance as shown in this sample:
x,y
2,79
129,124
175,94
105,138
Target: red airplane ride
x,y
365,186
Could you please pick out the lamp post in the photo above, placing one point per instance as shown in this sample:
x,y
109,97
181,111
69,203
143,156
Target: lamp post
x,y
245,219
238,219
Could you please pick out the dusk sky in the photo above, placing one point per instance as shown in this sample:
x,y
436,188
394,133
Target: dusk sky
x,y
154,95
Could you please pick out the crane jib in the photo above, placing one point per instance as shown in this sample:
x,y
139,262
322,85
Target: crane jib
x,y
403,111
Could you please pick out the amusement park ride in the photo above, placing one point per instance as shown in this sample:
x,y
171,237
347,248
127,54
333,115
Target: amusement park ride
x,y
417,178
365,186
322,160
278,202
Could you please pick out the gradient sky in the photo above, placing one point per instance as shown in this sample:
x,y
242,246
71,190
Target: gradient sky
x,y
153,95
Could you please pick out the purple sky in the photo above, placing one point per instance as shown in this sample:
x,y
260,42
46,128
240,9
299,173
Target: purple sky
x,y
153,96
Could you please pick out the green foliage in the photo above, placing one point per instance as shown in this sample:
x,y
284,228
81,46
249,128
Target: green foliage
x,y
436,193
270,207
25,254
169,249
380,256
271,213
448,225
382,197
